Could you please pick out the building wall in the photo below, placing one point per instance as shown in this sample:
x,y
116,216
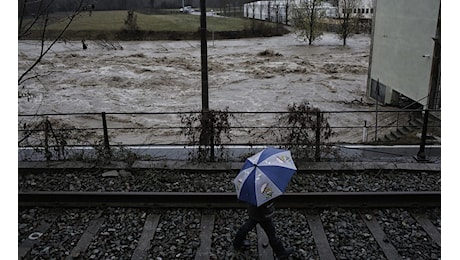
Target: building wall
x,y
402,49
363,9
260,9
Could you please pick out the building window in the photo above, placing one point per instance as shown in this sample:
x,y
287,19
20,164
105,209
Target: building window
x,y
377,90
367,10
372,10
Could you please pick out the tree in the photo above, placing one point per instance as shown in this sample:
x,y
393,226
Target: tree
x,y
347,24
36,15
269,11
131,21
286,10
306,20
251,6
276,7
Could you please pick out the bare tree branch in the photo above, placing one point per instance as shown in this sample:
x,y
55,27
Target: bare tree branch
x,y
44,50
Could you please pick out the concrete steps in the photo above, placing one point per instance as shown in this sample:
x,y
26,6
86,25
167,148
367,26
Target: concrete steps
x,y
409,132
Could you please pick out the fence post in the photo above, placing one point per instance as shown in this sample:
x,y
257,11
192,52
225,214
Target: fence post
x,y
376,119
213,156
47,148
106,134
318,136
365,132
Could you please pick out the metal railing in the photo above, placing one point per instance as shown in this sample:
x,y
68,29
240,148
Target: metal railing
x,y
106,130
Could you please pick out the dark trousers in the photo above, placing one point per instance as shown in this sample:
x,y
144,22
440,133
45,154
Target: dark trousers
x,y
269,229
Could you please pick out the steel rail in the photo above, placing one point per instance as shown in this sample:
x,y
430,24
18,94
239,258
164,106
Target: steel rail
x,y
213,200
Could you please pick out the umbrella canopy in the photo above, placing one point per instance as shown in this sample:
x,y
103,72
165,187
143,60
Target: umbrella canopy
x,y
264,176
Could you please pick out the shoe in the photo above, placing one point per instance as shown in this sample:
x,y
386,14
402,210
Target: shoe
x,y
286,254
244,245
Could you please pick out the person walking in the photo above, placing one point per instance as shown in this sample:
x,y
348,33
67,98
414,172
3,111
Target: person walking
x,y
263,177
261,215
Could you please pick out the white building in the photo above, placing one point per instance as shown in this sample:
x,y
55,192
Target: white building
x,y
402,51
266,10
275,10
363,9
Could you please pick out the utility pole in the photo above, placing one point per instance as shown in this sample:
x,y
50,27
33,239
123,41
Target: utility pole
x,y
204,58
207,132
434,80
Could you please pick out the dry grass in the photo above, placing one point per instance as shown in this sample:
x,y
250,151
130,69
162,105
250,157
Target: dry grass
x,y
111,25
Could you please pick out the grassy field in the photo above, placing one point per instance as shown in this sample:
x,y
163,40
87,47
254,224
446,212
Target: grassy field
x,y
111,24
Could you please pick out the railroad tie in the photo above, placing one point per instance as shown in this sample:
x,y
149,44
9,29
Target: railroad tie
x,y
148,232
428,226
322,244
373,225
34,237
207,226
87,236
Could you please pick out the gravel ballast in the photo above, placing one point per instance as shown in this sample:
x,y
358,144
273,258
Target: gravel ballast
x,y
177,235
182,181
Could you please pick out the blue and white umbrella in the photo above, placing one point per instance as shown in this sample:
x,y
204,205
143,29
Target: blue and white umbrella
x,y
264,176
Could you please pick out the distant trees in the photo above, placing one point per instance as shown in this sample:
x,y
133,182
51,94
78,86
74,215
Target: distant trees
x,y
306,19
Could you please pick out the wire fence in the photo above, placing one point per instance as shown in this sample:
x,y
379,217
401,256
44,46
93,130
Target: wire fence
x,y
316,129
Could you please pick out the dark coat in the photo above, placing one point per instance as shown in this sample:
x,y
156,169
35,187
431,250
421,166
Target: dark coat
x,y
262,213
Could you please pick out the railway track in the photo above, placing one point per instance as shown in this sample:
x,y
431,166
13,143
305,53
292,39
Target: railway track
x,y
382,211
201,225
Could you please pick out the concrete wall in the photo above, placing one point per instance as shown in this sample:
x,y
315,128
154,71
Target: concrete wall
x,y
402,48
